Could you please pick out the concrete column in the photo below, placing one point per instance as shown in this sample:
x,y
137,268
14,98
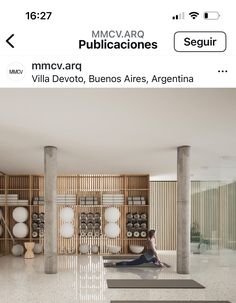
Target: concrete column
x,y
183,209
50,232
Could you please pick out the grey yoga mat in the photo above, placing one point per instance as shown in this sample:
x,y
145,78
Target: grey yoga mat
x,y
177,301
152,283
108,264
120,257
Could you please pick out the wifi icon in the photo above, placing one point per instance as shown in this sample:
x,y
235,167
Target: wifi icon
x,y
193,15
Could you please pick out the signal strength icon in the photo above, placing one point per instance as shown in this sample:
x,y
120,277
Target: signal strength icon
x,y
179,16
193,15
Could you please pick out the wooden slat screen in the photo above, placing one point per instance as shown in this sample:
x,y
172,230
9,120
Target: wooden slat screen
x,y
213,209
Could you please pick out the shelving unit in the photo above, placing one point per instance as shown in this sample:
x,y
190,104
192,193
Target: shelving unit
x,y
31,188
3,210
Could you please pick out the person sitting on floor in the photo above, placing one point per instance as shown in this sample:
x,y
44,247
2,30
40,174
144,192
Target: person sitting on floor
x,y
149,256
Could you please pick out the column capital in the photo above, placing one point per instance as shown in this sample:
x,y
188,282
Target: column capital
x,y
50,147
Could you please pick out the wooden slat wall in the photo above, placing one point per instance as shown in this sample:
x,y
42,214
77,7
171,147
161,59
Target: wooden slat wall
x,y
32,186
213,208
3,209
224,211
231,220
162,213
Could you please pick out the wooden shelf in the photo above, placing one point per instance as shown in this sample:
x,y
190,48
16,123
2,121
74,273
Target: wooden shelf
x,y
134,205
30,186
18,189
138,189
139,239
101,191
18,239
38,205
17,205
103,237
79,205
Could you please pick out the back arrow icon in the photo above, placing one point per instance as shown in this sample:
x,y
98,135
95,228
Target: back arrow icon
x,y
8,41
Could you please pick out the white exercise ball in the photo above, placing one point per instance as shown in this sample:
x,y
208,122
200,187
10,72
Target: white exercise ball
x,y
17,250
38,248
20,230
1,230
94,249
67,214
112,214
67,230
114,249
20,214
112,230
84,248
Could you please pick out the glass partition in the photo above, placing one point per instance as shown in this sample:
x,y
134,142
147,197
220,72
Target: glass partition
x,y
213,213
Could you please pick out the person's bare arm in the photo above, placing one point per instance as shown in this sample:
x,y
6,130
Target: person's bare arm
x,y
154,250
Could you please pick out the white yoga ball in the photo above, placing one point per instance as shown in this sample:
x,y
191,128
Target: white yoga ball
x,y
112,214
1,230
67,230
20,214
17,250
67,214
84,248
112,230
38,248
114,249
136,249
20,230
94,249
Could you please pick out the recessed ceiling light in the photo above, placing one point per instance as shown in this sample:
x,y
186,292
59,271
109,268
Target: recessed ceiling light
x,y
225,157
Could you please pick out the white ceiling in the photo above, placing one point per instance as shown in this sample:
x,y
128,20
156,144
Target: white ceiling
x,y
119,130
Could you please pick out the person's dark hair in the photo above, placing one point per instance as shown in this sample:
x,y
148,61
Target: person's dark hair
x,y
151,233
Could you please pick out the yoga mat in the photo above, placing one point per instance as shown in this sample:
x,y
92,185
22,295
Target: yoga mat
x,y
177,301
119,257
125,266
148,283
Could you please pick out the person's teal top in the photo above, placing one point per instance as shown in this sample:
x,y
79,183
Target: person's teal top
x,y
149,254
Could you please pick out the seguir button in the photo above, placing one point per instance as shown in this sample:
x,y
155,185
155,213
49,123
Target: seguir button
x,y
200,41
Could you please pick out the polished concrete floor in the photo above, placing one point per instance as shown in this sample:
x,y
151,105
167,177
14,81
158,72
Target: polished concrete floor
x,y
83,279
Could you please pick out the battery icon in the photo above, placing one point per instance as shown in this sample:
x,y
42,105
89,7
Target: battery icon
x,y
211,15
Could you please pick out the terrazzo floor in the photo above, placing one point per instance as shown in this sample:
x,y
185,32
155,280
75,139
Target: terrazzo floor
x,y
83,279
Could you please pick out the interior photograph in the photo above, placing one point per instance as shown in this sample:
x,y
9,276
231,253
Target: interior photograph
x,y
117,195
